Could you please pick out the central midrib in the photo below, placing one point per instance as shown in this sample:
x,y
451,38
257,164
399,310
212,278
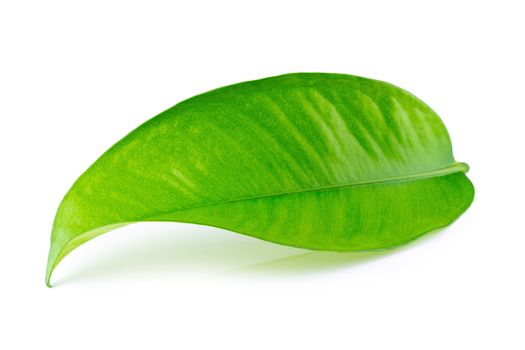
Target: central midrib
x,y
454,168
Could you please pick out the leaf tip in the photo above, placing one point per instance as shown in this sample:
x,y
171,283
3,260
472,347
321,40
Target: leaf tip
x,y
49,271
52,261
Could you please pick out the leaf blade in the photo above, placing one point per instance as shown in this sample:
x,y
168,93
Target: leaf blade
x,y
298,131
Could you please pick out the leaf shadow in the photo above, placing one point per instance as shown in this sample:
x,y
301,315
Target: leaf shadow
x,y
311,262
178,250
320,261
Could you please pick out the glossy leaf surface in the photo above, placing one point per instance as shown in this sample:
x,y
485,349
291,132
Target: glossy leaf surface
x,y
313,160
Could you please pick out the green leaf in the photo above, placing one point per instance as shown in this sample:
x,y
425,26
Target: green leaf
x,y
312,160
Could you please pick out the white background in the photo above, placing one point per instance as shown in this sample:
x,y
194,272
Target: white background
x,y
77,76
